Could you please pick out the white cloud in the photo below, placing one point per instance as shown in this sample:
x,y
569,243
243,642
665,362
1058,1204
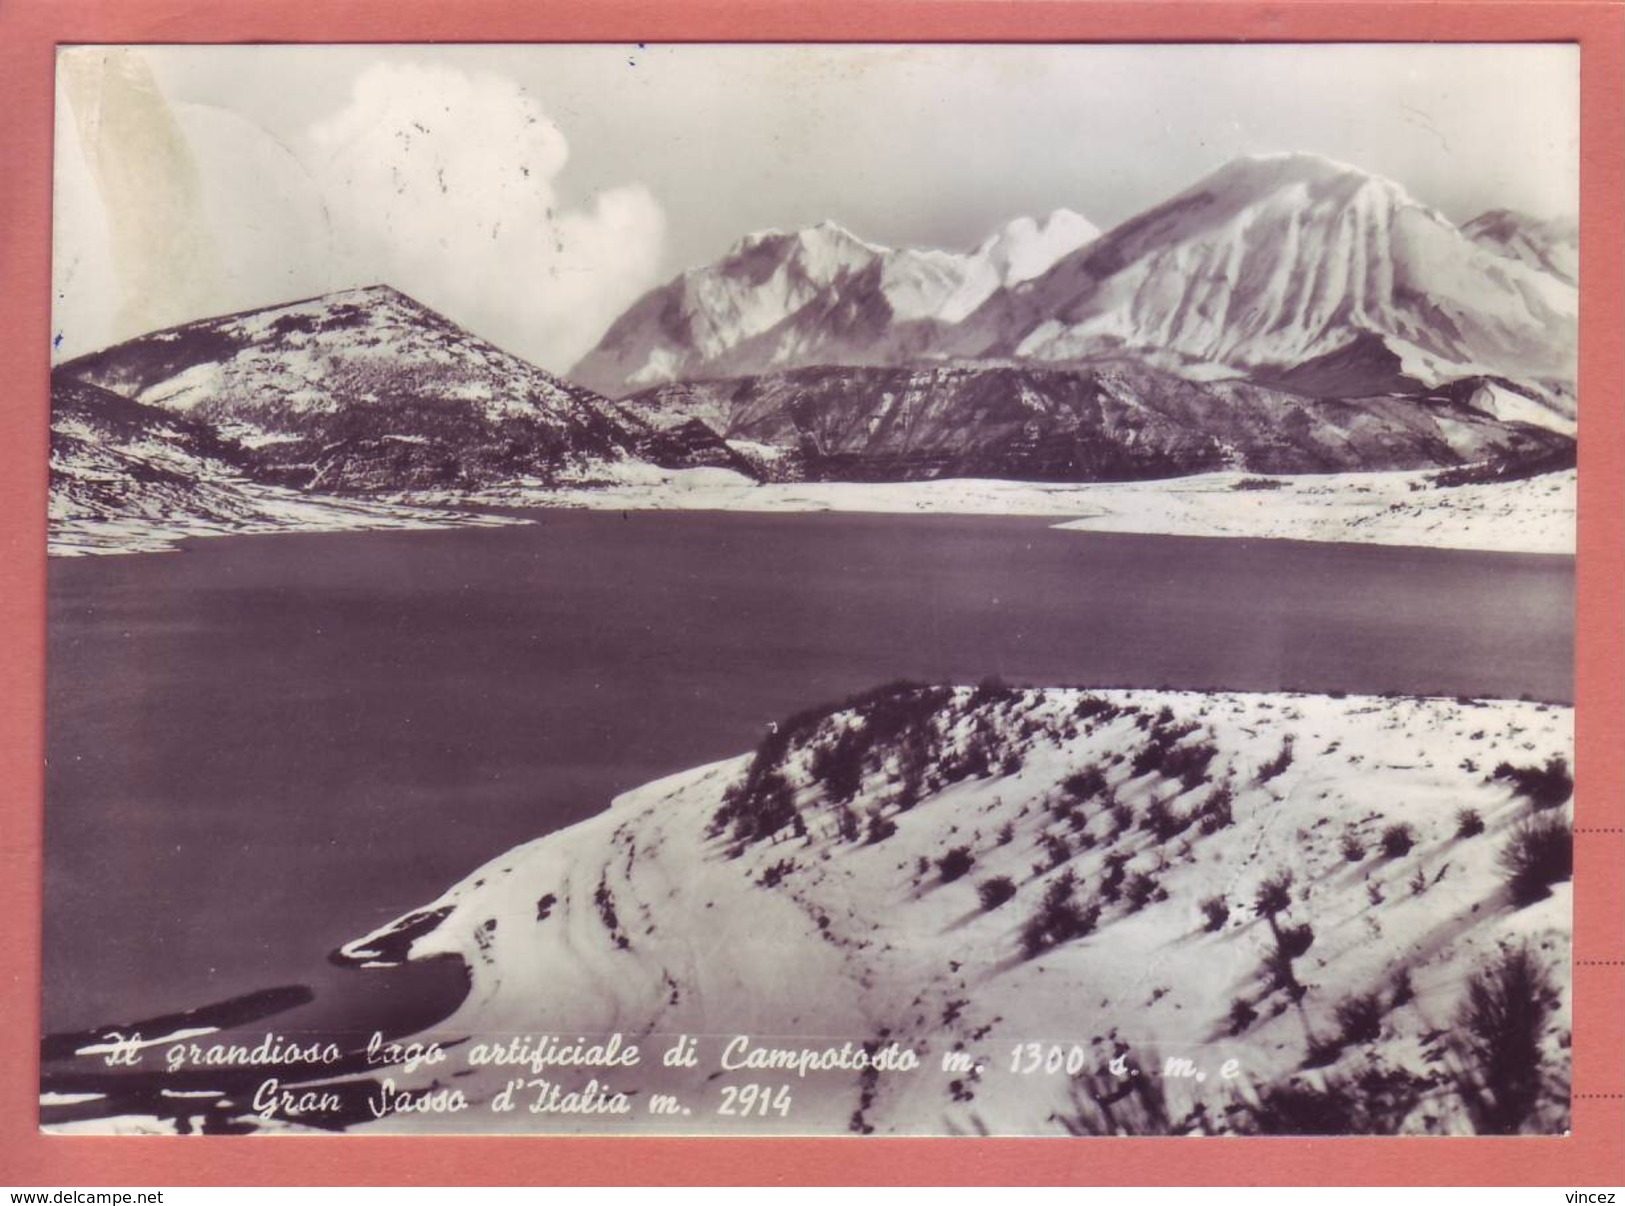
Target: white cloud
x,y
132,246
443,183
438,181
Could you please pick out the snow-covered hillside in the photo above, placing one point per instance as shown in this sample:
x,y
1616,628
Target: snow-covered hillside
x,y
816,296
1552,245
361,390
1296,895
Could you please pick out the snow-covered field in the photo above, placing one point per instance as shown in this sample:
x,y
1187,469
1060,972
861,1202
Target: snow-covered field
x,y
1535,515
1046,896
257,510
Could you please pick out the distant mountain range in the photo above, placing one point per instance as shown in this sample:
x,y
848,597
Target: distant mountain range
x,y
1107,422
1287,314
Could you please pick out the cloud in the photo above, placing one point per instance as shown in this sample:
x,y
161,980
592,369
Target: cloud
x,y
444,183
133,249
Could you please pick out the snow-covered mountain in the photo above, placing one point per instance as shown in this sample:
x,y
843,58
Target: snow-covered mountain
x,y
1552,245
364,390
1276,261
816,296
1103,422
1118,876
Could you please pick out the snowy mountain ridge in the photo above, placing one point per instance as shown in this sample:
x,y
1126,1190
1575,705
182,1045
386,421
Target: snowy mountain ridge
x,y
1270,263
786,299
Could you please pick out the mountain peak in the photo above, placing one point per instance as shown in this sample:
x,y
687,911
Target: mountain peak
x,y
1252,177
820,235
378,289
828,228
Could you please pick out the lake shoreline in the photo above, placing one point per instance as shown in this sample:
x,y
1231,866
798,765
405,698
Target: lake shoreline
x,y
1403,509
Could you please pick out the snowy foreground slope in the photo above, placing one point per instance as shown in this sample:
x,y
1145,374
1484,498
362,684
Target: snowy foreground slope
x,y
1304,885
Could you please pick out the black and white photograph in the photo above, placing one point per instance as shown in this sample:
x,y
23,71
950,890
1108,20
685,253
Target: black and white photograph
x,y
811,590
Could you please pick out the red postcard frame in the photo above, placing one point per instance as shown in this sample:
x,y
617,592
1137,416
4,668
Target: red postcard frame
x,y
1595,1151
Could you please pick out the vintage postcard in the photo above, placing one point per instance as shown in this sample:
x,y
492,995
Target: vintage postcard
x,y
811,590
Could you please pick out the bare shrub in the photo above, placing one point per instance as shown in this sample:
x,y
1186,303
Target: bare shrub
x,y
1468,823
1056,850
1545,786
1189,763
1103,1104
1242,1015
1217,810
1403,992
1216,909
994,892
1359,1018
1274,895
847,823
1059,918
1085,784
1163,820
1278,764
955,863
1140,890
1539,853
1353,848
1503,1017
1419,880
1111,886
1377,1101
1322,1052
1278,973
774,875
1295,940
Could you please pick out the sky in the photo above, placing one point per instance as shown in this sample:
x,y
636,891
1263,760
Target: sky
x,y
533,193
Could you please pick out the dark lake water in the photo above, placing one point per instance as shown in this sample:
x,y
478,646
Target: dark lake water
x,y
262,747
